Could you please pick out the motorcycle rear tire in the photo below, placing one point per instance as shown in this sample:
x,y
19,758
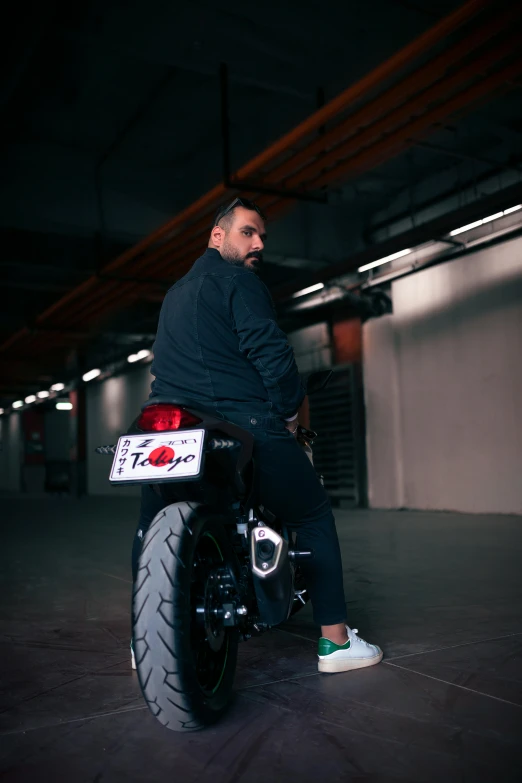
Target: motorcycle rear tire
x,y
167,638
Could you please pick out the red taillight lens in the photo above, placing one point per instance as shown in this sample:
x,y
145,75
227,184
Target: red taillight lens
x,y
163,417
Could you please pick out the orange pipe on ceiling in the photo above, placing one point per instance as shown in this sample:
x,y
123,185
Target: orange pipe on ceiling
x,y
362,162
402,114
396,95
177,226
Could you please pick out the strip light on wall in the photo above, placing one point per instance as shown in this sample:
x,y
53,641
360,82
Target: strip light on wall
x,y
136,357
144,353
91,375
309,290
488,219
385,260
453,233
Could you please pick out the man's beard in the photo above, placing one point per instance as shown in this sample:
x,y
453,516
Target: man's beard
x,y
234,256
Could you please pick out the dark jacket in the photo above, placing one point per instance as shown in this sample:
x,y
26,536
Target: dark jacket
x,y
218,343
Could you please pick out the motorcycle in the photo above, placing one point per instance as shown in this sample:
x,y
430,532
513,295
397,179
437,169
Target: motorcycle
x,y
216,566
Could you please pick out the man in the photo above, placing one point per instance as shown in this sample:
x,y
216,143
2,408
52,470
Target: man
x,y
218,343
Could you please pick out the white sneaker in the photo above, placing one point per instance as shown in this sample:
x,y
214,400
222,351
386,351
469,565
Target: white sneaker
x,y
133,659
355,654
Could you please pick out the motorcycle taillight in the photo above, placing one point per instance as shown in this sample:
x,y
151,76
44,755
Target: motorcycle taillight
x,y
163,417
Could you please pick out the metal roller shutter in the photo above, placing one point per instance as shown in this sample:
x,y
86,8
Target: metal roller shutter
x,y
336,414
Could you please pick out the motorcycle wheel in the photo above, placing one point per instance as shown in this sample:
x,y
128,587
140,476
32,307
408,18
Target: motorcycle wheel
x,y
185,656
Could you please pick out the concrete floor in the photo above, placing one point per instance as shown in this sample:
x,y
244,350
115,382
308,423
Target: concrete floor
x,y
441,593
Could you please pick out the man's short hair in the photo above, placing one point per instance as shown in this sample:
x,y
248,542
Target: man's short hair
x,y
225,213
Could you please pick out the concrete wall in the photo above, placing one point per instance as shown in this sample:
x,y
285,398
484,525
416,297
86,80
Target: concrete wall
x,y
443,388
112,405
11,445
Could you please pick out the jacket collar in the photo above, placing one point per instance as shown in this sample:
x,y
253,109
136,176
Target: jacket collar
x,y
210,257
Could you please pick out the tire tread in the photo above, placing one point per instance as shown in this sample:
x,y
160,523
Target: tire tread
x,y
159,624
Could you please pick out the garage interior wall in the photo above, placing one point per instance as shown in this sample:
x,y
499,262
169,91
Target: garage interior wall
x,y
112,406
443,387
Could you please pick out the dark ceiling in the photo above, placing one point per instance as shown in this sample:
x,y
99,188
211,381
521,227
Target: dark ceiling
x,y
112,126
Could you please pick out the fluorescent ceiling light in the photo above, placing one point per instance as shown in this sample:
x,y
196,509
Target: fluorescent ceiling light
x,y
58,387
309,290
136,357
1,411
17,404
465,228
496,216
30,399
64,406
384,260
42,395
488,219
91,375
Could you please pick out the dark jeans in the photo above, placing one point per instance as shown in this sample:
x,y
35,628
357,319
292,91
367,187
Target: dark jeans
x,y
290,489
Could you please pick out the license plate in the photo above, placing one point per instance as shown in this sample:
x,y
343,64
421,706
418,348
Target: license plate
x,y
166,456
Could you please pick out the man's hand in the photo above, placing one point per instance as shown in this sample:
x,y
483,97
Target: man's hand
x,y
292,426
302,413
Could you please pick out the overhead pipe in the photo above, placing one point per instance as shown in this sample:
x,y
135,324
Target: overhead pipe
x,y
373,133
88,310
383,72
404,136
74,313
213,196
447,108
229,180
168,259
459,50
403,113
198,231
411,129
212,199
391,98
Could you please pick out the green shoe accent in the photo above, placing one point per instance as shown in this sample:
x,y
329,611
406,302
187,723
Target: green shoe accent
x,y
326,647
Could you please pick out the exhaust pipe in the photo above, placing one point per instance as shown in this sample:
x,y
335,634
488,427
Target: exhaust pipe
x,y
272,575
